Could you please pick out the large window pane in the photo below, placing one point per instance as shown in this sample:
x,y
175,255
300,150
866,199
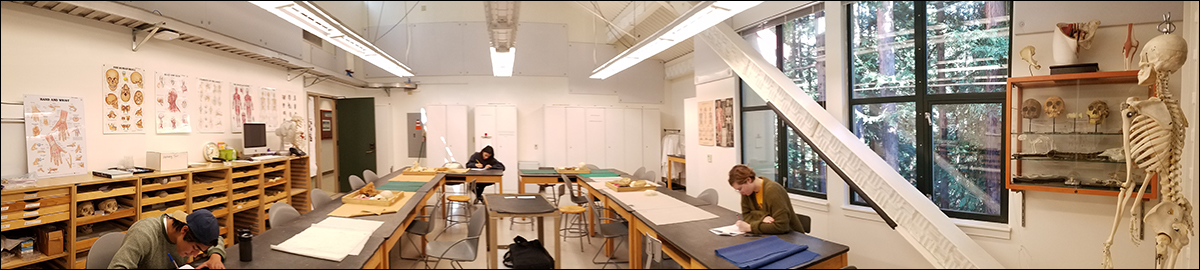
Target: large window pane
x,y
804,53
763,41
881,42
889,129
968,46
760,147
968,142
805,170
749,97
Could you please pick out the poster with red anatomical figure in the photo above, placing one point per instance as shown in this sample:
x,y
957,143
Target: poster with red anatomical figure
x,y
54,136
212,106
123,96
172,98
242,104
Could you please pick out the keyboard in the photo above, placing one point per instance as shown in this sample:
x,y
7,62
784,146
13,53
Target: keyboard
x,y
261,158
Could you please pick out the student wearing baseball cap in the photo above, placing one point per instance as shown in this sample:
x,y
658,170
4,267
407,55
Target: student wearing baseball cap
x,y
167,241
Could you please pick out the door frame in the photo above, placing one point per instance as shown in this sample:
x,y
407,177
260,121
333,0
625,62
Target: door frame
x,y
316,114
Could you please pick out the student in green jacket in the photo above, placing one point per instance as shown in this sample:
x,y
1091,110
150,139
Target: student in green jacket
x,y
766,208
167,241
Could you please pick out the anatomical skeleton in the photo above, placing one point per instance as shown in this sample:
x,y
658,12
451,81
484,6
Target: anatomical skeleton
x,y
1153,133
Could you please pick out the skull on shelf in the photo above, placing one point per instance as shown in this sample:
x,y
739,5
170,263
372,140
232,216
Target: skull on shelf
x,y
1097,112
1054,106
1031,109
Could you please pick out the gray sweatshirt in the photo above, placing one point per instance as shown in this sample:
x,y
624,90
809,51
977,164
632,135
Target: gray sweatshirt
x,y
146,246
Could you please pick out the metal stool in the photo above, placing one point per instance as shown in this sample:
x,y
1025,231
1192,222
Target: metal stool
x,y
576,226
462,200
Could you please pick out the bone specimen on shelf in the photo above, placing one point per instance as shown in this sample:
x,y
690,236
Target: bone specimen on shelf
x,y
86,209
84,229
1054,106
108,205
1097,112
1031,109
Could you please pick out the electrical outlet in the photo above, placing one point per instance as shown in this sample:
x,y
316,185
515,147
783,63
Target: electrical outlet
x,y
535,147
422,7
709,158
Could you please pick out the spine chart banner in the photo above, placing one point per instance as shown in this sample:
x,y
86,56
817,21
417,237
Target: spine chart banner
x,y
123,95
54,135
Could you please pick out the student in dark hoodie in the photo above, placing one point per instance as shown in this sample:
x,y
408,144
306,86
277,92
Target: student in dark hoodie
x,y
484,159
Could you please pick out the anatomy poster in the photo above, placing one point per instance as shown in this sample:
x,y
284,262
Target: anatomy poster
x,y
724,125
123,97
243,106
706,122
268,111
54,136
289,105
171,96
212,106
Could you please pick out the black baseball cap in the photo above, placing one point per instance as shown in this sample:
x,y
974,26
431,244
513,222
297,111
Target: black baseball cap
x,y
201,223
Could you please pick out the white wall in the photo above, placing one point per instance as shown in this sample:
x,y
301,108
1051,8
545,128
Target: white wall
x,y
48,53
677,90
384,15
1061,230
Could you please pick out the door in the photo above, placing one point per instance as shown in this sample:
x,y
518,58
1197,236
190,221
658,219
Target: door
x,y
355,139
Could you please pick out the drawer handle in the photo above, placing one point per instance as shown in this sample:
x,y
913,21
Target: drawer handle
x,y
32,205
34,213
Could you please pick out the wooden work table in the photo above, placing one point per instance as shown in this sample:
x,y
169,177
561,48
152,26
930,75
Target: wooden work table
x,y
673,159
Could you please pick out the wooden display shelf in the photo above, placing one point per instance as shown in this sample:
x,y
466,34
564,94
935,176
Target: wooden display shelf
x,y
203,204
169,198
251,183
18,196
171,184
98,194
243,207
172,209
246,194
269,183
297,191
237,174
14,263
43,219
9,216
84,242
123,211
1089,78
272,199
268,168
1060,187
219,212
197,192
23,205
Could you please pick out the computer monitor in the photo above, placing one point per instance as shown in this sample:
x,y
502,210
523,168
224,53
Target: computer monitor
x,y
254,138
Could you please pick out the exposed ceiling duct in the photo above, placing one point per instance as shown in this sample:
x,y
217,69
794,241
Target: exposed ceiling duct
x,y
502,31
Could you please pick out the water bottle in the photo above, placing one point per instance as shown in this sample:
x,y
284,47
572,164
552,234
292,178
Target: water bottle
x,y
245,245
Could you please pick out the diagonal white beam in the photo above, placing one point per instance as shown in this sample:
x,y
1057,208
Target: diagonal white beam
x,y
911,214
630,17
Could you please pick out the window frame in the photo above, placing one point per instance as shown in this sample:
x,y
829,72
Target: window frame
x,y
924,103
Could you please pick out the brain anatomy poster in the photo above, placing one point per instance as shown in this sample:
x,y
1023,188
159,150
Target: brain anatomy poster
x,y
706,123
54,135
268,108
171,96
123,98
243,106
212,106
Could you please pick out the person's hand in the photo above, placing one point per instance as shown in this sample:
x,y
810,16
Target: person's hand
x,y
214,262
742,226
477,165
487,167
768,219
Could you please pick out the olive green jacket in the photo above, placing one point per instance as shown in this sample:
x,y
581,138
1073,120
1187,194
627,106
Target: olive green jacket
x,y
776,204
146,246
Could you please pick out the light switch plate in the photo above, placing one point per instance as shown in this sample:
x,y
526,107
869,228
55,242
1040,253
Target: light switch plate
x,y
709,158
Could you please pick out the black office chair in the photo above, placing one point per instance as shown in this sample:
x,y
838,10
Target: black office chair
x,y
806,222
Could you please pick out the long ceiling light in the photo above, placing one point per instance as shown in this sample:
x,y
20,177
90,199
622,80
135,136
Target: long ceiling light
x,y
312,19
702,16
502,62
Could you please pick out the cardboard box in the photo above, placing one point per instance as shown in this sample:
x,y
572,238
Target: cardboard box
x,y
49,240
166,161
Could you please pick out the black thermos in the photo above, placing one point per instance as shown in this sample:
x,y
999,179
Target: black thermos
x,y
245,245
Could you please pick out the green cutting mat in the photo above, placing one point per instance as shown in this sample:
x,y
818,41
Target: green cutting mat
x,y
538,172
600,173
402,186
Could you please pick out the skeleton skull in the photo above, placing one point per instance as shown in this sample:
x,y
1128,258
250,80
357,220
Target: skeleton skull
x,y
1054,107
136,78
1031,109
1097,112
1163,54
112,78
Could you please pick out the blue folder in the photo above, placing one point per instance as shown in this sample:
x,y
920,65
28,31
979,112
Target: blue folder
x,y
768,252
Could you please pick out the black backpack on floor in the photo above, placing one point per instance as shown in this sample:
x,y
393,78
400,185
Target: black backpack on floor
x,y
523,254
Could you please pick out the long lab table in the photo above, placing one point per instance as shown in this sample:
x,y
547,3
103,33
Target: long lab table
x,y
374,254
690,243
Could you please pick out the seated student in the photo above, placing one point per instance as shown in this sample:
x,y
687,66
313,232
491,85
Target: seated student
x,y
167,241
766,208
485,159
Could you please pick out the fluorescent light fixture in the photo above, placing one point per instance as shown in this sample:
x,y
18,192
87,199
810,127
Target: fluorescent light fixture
x,y
702,16
310,18
502,62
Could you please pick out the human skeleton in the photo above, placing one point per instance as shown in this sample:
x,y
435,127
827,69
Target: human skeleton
x,y
1153,133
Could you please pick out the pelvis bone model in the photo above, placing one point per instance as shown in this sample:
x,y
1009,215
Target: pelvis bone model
x,y
1153,133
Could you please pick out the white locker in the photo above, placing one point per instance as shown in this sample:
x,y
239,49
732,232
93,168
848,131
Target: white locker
x,y
652,141
576,134
505,143
456,134
554,144
595,137
435,134
614,139
632,152
485,123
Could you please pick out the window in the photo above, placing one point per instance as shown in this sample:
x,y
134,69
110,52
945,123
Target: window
x,y
927,82
795,43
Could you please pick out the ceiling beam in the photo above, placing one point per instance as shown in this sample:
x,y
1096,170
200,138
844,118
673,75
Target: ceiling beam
x,y
630,17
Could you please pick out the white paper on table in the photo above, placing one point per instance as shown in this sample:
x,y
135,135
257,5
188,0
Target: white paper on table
x,y
639,201
186,266
731,230
324,243
606,179
676,215
352,224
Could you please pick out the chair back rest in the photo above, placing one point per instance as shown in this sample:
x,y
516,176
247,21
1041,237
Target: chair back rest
x,y
356,183
103,250
475,227
282,213
709,195
470,188
806,222
579,198
592,167
318,197
638,173
370,176
651,176
653,248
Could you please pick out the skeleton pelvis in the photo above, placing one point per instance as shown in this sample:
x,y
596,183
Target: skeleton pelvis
x,y
1169,219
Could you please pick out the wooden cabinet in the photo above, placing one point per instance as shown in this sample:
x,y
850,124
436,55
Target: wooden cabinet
x,y
1076,151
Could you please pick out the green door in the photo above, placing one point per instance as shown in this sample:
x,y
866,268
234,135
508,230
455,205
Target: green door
x,y
355,139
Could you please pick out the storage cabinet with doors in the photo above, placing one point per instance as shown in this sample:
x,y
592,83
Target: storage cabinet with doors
x,y
621,138
499,123
1064,133
23,211
445,135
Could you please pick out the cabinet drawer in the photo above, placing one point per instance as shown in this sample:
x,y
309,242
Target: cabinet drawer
x,y
35,203
44,219
35,212
155,213
168,198
196,192
203,204
35,194
91,195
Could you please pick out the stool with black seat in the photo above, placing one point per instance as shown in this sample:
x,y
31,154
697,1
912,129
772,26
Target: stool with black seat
x,y
577,225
